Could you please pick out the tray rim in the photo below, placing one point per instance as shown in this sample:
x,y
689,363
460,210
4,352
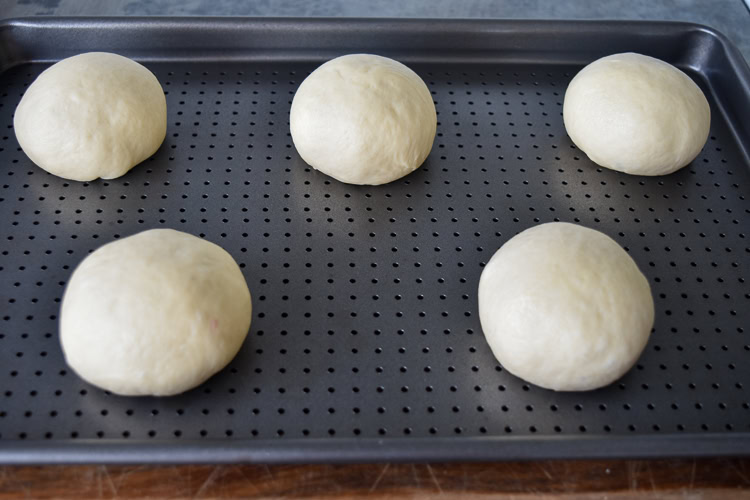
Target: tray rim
x,y
375,450
383,24
371,450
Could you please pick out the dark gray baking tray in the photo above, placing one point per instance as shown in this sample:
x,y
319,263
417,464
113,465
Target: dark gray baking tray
x,y
365,343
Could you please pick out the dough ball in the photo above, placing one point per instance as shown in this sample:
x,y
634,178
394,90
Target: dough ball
x,y
363,119
156,313
565,307
636,114
92,115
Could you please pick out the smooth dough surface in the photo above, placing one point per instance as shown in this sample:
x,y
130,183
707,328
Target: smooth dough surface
x,y
565,307
156,313
636,114
363,119
92,115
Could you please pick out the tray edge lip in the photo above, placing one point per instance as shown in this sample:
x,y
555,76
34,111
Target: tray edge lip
x,y
156,19
40,22
437,24
374,450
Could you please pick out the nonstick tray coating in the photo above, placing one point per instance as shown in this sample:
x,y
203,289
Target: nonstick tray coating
x,y
365,343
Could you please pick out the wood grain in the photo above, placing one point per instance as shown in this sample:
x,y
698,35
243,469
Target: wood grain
x,y
705,479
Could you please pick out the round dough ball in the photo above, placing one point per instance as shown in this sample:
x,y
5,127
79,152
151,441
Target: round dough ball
x,y
636,114
156,313
565,307
92,115
363,119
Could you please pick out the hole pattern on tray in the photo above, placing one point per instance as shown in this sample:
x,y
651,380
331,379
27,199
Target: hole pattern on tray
x,y
365,319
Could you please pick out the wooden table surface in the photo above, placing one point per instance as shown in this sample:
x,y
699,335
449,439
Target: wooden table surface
x,y
612,479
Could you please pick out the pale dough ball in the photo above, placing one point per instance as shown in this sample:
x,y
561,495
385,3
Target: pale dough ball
x,y
363,119
565,307
636,114
92,115
156,313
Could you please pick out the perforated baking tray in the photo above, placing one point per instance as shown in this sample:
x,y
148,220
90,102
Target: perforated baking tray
x,y
365,343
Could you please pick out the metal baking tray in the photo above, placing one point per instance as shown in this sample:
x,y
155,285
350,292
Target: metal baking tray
x,y
365,343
